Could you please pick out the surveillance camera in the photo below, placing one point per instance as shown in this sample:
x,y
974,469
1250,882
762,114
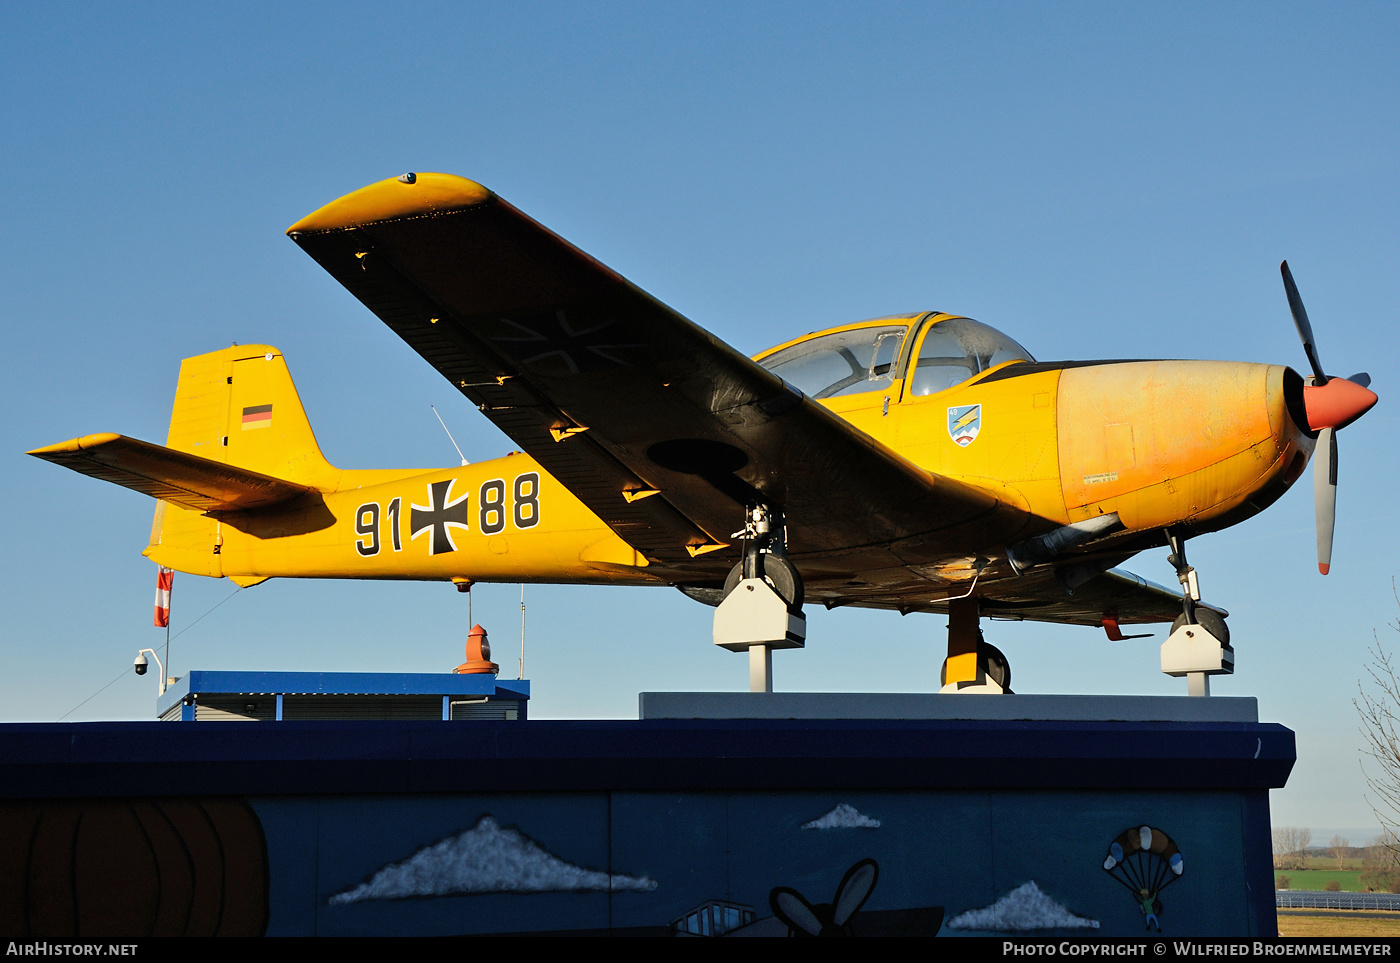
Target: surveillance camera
x,y
140,663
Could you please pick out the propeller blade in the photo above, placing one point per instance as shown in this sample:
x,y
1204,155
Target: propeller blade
x,y
1361,378
1300,321
1325,495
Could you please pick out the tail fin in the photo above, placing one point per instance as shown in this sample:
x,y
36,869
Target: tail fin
x,y
239,441
238,406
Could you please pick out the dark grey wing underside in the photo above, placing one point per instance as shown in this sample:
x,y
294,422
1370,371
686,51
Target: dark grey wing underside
x,y
546,341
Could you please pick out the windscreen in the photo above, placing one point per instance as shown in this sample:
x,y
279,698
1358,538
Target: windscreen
x,y
958,348
843,363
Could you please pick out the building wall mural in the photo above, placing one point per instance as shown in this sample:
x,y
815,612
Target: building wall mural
x,y
75,869
717,864
686,864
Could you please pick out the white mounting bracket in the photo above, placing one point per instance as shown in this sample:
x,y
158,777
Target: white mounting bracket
x,y
1191,651
754,617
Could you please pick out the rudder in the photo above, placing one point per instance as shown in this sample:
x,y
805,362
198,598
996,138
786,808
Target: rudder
x,y
239,407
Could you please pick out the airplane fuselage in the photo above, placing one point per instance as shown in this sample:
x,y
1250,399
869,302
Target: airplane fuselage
x,y
1196,445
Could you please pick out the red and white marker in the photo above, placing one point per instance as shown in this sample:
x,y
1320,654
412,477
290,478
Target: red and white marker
x,y
165,578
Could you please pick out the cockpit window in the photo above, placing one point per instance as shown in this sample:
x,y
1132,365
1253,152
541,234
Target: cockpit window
x,y
844,363
955,349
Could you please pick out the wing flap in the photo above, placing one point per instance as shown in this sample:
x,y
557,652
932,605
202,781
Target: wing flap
x,y
182,479
1039,597
1115,593
547,341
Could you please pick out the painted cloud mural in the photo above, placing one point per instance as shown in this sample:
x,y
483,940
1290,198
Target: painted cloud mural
x,y
485,859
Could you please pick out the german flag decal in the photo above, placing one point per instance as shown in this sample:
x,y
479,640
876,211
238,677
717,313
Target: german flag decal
x,y
258,416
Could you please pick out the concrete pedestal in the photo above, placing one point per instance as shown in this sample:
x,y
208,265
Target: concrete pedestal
x,y
672,824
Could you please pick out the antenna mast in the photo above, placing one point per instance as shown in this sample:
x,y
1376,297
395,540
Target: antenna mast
x,y
449,435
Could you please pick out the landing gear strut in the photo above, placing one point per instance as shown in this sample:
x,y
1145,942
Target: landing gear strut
x,y
1199,644
972,666
762,606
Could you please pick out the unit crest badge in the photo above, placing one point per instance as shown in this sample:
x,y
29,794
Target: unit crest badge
x,y
964,422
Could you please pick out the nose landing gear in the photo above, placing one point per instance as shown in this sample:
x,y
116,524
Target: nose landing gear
x,y
1199,644
973,666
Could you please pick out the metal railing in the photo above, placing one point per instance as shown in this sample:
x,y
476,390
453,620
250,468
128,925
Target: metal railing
x,y
1310,899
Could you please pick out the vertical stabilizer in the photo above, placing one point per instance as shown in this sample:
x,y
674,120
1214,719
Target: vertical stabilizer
x,y
237,406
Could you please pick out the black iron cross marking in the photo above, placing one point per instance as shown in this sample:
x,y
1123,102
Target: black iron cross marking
x,y
581,345
436,518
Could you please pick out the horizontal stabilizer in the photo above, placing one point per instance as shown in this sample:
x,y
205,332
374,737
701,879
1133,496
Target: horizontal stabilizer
x,y
186,480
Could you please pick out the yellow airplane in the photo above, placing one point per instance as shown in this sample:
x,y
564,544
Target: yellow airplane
x,y
923,462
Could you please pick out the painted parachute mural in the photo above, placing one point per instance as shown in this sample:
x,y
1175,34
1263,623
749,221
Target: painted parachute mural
x,y
1145,861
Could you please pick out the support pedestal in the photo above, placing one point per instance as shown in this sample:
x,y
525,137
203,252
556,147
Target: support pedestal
x,y
1192,651
756,618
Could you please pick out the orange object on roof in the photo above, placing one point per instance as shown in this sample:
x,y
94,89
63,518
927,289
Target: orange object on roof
x,y
478,654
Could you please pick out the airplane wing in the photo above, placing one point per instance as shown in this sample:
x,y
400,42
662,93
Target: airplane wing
x,y
180,478
660,428
1116,593
1037,596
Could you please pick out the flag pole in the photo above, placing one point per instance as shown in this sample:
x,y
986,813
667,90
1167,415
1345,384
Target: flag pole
x,y
165,581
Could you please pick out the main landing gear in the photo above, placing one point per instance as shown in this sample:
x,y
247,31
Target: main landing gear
x,y
1199,644
762,605
973,666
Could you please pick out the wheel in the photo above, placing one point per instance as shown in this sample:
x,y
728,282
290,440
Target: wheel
x,y
1209,620
777,572
994,664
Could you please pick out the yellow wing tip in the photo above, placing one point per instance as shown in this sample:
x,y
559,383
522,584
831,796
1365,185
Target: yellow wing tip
x,y
76,444
407,195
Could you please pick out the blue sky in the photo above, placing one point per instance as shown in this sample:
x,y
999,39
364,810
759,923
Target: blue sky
x,y
1097,180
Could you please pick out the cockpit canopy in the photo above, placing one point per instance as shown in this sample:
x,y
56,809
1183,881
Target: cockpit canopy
x,y
871,355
